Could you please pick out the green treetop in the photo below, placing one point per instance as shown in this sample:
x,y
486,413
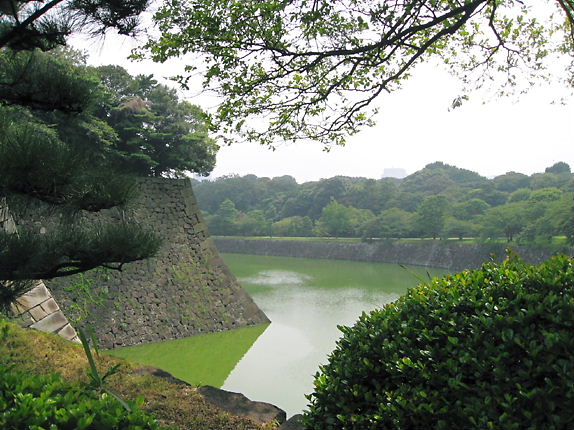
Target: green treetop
x,y
431,216
158,134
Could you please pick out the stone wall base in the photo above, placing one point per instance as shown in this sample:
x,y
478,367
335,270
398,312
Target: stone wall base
x,y
37,309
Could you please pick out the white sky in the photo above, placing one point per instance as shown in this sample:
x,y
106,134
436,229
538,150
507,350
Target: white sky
x,y
414,128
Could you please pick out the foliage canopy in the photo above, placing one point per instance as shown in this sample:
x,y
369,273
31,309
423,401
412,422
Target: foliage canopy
x,y
438,201
311,69
157,134
45,24
51,147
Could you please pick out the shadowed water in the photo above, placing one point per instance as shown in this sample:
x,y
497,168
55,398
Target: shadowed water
x,y
306,300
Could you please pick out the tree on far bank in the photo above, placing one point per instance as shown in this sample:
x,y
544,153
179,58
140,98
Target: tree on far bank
x,y
459,228
546,180
489,194
559,218
469,209
559,167
508,220
224,220
335,220
253,223
511,181
431,216
519,195
369,194
436,178
390,223
295,226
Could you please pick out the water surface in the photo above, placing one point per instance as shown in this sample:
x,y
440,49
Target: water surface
x,y
205,359
306,299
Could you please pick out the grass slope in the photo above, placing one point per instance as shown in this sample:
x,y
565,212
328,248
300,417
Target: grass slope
x,y
173,404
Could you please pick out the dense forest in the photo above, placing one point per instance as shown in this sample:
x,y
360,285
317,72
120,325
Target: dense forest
x,y
439,201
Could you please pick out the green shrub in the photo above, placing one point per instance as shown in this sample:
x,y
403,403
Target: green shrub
x,y
488,348
48,402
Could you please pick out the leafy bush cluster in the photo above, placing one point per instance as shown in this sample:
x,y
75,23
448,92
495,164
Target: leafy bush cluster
x,y
487,348
48,402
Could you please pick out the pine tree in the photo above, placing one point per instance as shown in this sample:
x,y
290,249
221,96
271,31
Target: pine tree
x,y
51,151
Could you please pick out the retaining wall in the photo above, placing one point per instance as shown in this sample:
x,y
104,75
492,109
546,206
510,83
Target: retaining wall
x,y
185,290
445,255
36,308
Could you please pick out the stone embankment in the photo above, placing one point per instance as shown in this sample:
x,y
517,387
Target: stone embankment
x,y
446,255
37,309
186,289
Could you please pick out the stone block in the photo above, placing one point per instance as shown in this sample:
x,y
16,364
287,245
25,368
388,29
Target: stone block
x,y
38,313
51,323
293,423
24,320
35,296
50,306
238,404
68,332
17,309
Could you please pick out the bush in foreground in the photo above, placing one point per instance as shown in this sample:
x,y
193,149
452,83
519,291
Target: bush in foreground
x,y
487,348
48,402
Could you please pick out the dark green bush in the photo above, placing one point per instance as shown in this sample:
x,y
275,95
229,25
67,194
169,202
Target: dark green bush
x,y
48,402
488,348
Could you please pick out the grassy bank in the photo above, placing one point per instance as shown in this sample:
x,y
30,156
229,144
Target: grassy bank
x,y
173,404
557,241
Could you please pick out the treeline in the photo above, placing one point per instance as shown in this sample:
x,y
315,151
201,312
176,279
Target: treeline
x,y
439,201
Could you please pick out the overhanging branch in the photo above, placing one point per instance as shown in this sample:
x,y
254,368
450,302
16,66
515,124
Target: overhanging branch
x,y
20,27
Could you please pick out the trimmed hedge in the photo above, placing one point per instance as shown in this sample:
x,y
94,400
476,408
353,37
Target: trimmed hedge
x,y
48,402
488,348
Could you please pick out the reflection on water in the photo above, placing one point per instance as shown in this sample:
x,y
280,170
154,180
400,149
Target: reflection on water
x,y
305,307
276,278
305,300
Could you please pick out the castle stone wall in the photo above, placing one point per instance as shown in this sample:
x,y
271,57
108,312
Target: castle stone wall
x,y
185,290
447,255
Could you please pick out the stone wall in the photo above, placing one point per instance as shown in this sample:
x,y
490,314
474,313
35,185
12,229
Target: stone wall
x,y
185,290
445,255
36,308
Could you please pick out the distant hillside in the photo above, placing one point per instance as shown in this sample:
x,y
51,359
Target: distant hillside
x,y
438,200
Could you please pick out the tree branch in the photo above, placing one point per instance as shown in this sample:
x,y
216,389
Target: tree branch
x,y
568,7
13,33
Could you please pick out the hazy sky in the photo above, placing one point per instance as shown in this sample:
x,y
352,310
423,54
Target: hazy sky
x,y
414,128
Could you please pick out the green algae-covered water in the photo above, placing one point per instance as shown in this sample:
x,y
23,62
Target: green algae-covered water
x,y
305,299
205,359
